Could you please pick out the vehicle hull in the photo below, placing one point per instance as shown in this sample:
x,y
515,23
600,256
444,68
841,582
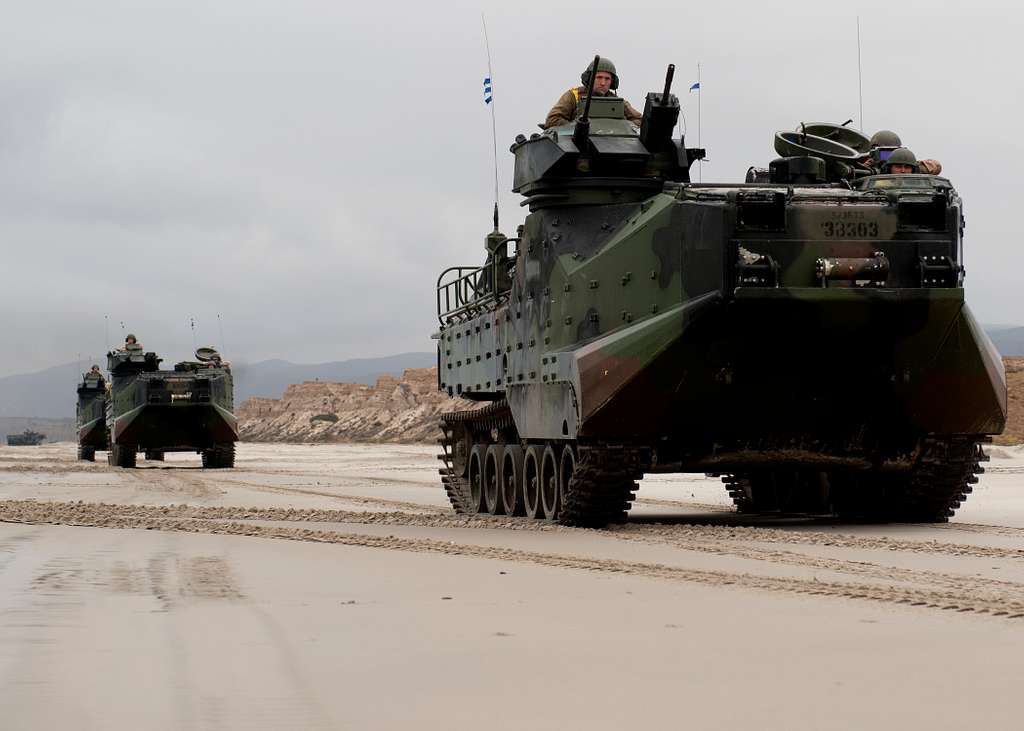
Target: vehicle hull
x,y
175,427
846,370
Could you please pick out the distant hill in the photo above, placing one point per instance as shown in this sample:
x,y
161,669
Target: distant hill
x,y
44,394
50,393
1008,340
269,378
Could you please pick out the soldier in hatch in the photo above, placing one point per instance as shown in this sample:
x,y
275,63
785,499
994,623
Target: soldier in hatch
x,y
129,340
94,372
606,81
900,162
885,142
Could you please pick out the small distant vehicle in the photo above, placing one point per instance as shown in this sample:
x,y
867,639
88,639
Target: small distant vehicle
x,y
27,438
154,411
90,416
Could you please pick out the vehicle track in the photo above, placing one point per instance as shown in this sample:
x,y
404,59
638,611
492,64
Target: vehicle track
x,y
837,540
67,512
955,593
170,480
358,499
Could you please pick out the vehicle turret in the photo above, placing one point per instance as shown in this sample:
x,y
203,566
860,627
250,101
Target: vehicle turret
x,y
603,154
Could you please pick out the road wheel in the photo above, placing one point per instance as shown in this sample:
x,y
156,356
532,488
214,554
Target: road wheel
x,y
477,457
461,446
566,466
512,480
549,484
122,455
86,454
531,481
492,479
221,456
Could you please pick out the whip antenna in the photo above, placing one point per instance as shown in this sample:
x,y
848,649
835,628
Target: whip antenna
x,y
860,78
489,100
106,332
192,322
700,163
220,326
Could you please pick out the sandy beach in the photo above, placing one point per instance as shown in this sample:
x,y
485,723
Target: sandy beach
x,y
330,586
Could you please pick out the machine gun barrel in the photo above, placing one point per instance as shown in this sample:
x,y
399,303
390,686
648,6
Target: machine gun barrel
x,y
582,132
668,82
660,115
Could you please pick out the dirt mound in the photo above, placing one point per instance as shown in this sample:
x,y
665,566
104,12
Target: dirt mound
x,y
405,409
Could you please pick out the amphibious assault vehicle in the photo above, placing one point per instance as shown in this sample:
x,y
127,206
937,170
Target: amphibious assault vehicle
x,y
803,335
90,416
182,410
27,438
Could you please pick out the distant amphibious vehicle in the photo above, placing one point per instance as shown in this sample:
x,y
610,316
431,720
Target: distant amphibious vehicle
x,y
90,416
27,438
803,335
188,409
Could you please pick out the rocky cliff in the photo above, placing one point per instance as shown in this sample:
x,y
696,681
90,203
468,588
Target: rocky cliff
x,y
405,409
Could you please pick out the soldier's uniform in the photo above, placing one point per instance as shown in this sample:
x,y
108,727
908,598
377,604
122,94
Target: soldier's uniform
x,y
567,108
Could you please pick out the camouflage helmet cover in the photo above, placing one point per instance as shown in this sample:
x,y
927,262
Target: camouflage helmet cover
x,y
129,336
900,156
885,138
604,64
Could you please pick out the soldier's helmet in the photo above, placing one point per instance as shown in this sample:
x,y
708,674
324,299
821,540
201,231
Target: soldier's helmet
x,y
900,156
885,138
883,142
131,337
603,64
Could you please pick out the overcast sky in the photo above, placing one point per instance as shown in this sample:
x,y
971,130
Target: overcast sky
x,y
306,169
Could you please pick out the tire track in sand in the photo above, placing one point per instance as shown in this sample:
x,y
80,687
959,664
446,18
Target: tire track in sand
x,y
357,499
112,516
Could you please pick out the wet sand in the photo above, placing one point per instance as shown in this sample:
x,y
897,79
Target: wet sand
x,y
330,587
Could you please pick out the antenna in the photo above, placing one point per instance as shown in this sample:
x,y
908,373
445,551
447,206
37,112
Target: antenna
x,y
700,163
106,332
860,78
220,326
494,126
192,322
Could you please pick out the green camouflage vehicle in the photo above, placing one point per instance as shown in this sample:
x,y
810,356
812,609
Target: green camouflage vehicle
x,y
90,416
803,335
27,438
182,410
